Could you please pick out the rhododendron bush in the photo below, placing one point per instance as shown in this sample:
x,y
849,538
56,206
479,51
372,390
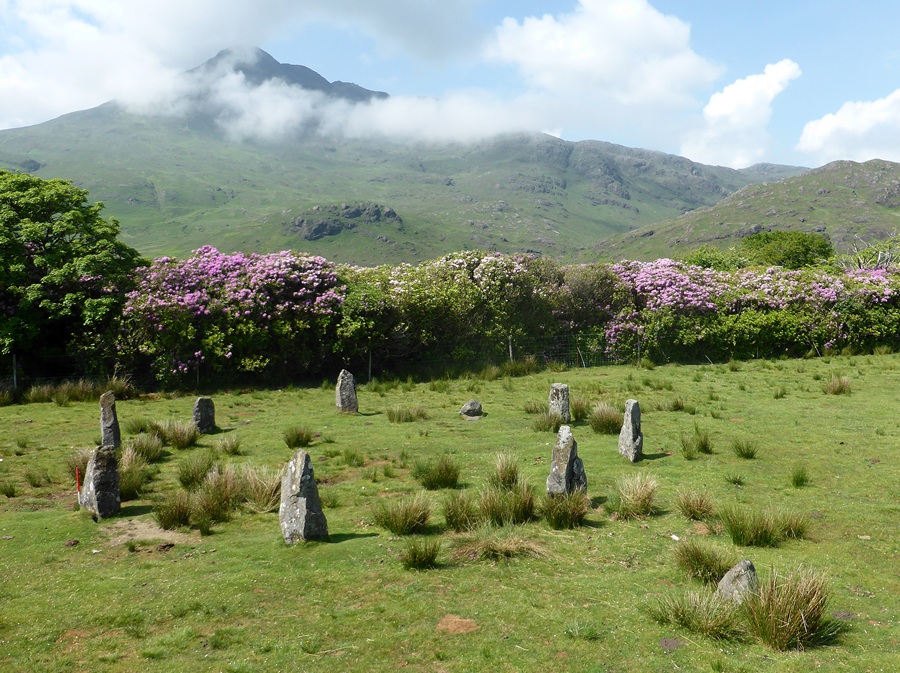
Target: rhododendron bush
x,y
296,315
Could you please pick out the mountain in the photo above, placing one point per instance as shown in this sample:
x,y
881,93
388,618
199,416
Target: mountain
x,y
178,181
849,202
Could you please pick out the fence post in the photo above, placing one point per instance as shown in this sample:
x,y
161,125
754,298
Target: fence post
x,y
510,348
15,377
370,364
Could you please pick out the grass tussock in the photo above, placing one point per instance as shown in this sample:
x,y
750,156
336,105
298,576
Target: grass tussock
x,y
134,474
507,506
702,562
420,553
799,476
532,407
402,414
149,447
695,505
605,419
790,612
404,516
78,460
261,488
460,511
696,443
837,385
566,511
229,444
547,422
192,470
506,471
633,497
174,510
442,473
177,434
136,425
353,458
580,408
491,544
701,613
297,436
744,448
762,528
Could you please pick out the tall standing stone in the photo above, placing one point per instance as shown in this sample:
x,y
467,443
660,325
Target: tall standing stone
x,y
631,439
301,512
109,422
559,401
738,583
345,393
100,491
567,470
205,415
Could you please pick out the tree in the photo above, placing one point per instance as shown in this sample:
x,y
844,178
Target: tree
x,y
788,249
63,272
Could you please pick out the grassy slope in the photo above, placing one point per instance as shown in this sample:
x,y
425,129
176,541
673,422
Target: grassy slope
x,y
240,600
848,201
177,185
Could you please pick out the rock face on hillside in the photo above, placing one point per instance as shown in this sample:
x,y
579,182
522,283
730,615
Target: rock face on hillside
x,y
323,221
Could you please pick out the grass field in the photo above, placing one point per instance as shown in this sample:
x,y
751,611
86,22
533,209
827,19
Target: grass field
x,y
239,599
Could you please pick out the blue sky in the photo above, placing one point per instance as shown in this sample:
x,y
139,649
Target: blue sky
x,y
731,83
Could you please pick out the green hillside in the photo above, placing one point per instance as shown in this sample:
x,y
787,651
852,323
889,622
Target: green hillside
x,y
851,203
176,184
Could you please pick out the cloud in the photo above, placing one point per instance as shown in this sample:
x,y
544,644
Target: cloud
x,y
736,119
621,52
858,131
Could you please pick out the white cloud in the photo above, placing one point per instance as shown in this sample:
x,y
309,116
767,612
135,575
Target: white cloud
x,y
858,131
736,119
622,52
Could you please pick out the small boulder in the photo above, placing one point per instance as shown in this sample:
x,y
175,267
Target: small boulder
x,y
471,408
738,583
631,439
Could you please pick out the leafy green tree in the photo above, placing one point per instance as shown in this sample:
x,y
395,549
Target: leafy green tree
x,y
63,272
788,249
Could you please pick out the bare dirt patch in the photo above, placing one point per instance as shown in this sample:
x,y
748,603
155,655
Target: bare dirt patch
x,y
454,624
134,530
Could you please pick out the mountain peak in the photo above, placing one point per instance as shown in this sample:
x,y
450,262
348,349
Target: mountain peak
x,y
259,66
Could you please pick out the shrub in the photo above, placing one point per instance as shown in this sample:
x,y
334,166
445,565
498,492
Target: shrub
x,y
744,448
790,612
580,408
547,422
405,516
605,419
173,510
149,447
444,473
701,562
536,408
633,497
701,613
565,511
261,488
500,506
799,476
506,471
837,385
694,505
420,553
297,436
460,511
134,473
192,470
401,414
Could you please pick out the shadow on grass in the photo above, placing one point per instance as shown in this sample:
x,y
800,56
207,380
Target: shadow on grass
x,y
655,456
135,510
337,538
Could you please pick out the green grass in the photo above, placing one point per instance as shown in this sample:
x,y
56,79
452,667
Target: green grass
x,y
527,584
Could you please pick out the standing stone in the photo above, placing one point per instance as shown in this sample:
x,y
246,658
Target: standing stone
x,y
301,512
205,415
100,491
109,422
559,401
631,439
471,408
345,393
738,583
567,470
